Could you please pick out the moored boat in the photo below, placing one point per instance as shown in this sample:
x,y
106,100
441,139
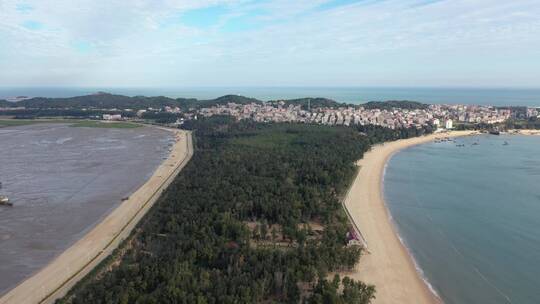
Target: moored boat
x,y
4,200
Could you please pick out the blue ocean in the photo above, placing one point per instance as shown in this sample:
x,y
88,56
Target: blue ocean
x,y
356,95
471,216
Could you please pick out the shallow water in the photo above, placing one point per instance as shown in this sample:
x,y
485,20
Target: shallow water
x,y
471,216
62,181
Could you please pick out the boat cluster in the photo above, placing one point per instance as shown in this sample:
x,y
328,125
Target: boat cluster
x,y
444,139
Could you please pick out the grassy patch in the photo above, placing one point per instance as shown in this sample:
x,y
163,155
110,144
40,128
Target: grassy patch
x,y
74,123
15,122
266,140
25,122
99,124
283,135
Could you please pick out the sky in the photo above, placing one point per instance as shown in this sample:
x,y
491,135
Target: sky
x,y
197,43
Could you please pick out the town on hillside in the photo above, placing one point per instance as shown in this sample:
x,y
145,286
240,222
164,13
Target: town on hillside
x,y
390,114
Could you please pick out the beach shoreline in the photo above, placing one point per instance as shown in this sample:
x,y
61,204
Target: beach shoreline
x,y
528,132
388,264
56,278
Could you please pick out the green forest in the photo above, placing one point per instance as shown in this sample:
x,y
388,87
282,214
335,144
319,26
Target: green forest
x,y
530,123
255,217
108,101
399,104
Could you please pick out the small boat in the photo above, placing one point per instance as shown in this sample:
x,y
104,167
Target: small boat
x,y
494,132
505,143
475,144
4,200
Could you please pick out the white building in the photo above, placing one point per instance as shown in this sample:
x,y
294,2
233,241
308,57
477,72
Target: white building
x,y
449,124
140,113
112,117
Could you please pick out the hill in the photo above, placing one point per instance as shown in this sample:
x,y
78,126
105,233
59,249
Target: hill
x,y
98,101
110,101
399,104
223,100
314,103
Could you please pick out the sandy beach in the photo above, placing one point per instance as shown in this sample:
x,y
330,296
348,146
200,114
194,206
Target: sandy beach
x,y
55,280
387,264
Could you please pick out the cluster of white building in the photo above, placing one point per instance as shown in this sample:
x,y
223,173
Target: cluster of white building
x,y
442,116
471,113
112,117
533,112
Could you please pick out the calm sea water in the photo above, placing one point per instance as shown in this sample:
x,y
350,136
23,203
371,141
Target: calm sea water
x,y
471,216
524,97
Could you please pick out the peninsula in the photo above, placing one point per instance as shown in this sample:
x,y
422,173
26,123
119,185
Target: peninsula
x,y
273,173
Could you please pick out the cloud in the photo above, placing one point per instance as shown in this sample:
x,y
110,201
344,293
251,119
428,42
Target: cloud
x,y
24,7
270,42
32,25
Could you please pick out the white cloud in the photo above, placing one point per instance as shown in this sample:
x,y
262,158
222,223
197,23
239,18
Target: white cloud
x,y
389,42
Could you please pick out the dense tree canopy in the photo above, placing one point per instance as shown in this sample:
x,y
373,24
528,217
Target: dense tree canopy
x,y
530,123
254,217
390,104
316,103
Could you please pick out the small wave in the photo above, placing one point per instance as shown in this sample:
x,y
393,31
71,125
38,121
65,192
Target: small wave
x,y
110,148
419,270
106,140
63,140
9,131
43,142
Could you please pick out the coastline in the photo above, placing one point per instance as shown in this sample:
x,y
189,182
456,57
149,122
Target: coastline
x,y
528,132
56,278
387,264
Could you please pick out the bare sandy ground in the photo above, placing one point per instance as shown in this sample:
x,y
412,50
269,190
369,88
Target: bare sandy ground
x,y
56,279
525,132
387,265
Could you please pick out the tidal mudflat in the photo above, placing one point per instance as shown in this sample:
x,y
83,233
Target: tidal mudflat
x,y
62,181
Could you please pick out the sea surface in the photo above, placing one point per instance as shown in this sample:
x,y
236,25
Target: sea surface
x,y
471,216
62,181
355,95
